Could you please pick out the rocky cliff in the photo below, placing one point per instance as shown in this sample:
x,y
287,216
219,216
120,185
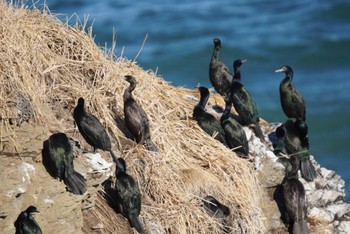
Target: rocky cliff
x,y
47,65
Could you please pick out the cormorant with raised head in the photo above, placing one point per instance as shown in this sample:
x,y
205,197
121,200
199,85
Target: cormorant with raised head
x,y
128,195
136,119
26,224
219,74
243,102
234,133
58,160
294,197
292,102
91,129
297,145
207,121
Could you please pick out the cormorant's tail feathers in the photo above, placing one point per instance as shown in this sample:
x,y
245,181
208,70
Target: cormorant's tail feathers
x,y
258,132
134,222
76,183
300,228
150,145
308,171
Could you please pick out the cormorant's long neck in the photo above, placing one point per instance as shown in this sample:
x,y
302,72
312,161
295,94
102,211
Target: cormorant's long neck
x,y
237,73
129,90
293,173
227,111
289,77
79,111
216,54
203,100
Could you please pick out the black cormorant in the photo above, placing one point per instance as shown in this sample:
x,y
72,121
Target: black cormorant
x,y
207,121
292,102
234,133
294,197
26,224
219,74
128,195
244,103
58,160
91,129
136,119
297,145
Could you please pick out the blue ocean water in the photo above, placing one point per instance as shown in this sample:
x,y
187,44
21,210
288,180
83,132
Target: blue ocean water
x,y
313,37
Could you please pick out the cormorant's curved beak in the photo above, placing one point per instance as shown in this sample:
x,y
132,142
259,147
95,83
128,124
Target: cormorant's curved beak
x,y
244,60
279,70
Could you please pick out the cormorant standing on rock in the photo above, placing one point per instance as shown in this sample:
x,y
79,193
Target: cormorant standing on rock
x,y
297,144
207,121
136,119
235,135
58,160
91,129
294,197
219,74
243,102
292,102
128,195
26,224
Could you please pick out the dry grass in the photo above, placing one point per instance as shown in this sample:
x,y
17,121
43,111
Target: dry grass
x,y
50,65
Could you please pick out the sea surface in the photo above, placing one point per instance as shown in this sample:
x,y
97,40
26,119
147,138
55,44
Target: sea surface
x,y
313,37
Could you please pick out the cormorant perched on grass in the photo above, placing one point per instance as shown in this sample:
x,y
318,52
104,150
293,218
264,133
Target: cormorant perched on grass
x,y
219,74
292,102
26,224
297,144
136,119
294,197
128,195
91,129
58,160
243,102
207,121
234,133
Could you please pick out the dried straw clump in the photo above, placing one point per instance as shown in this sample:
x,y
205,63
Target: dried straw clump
x,y
50,65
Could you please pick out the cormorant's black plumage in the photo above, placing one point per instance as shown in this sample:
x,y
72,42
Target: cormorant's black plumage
x,y
292,102
26,224
58,160
244,103
294,198
207,121
219,74
136,119
297,144
91,129
128,195
234,133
